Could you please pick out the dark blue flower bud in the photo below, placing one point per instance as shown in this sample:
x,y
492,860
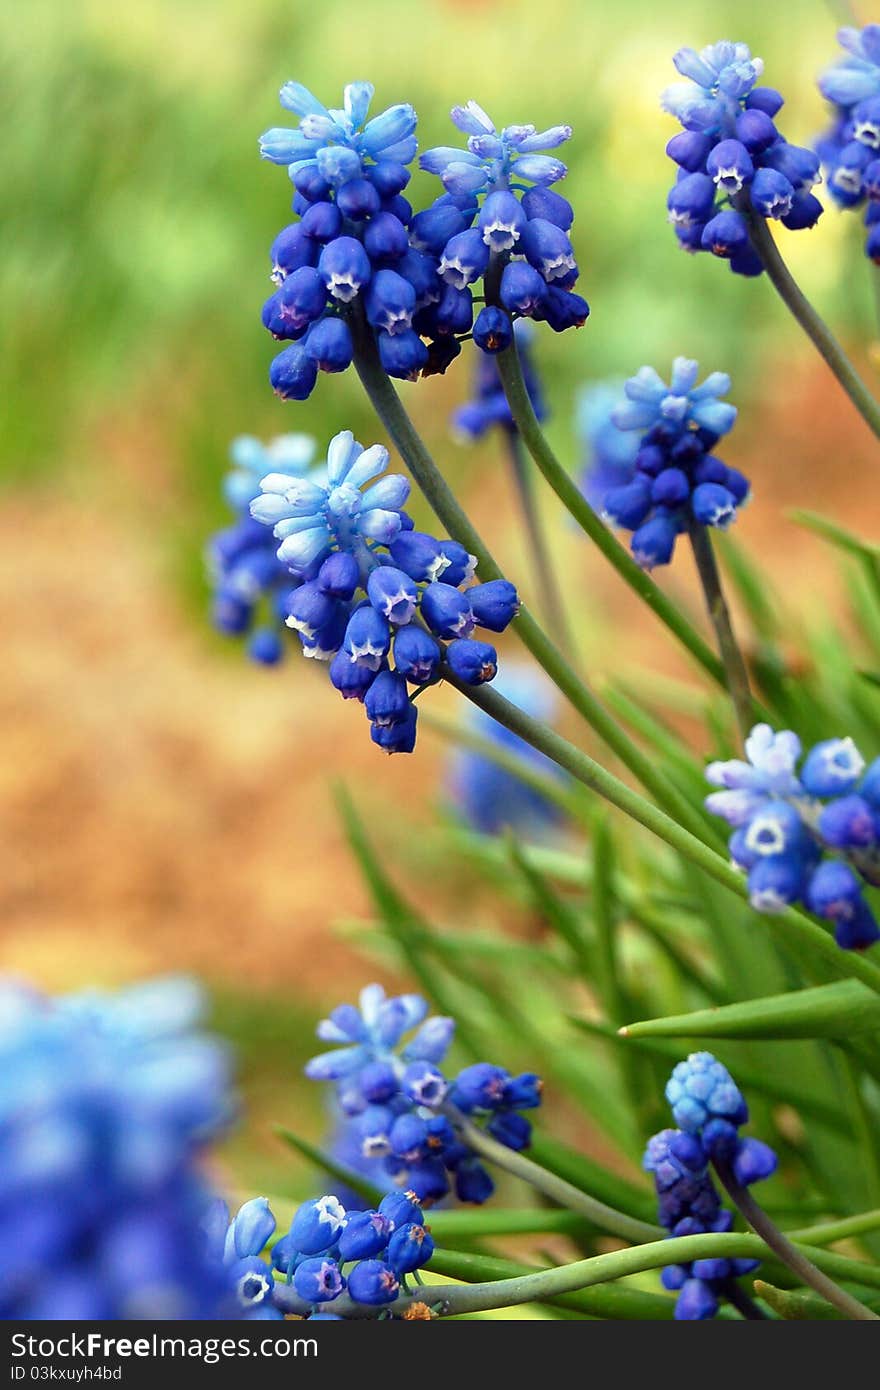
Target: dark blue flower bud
x,y
318,1280
399,1208
872,244
805,212
385,238
523,1092
670,488
746,261
800,166
696,1302
391,302
350,678
309,609
328,343
754,1161
775,881
322,221
231,614
465,258
771,193
871,180
432,229
388,177
357,199
848,822
365,1236
373,1283
480,1086
562,309
832,767
551,206
765,99
392,593
713,505
628,506
493,330
377,1080
548,249
454,311
691,200
367,637
416,655
756,130
654,541
421,271
858,932
471,661
446,611
523,288
387,703
419,554
293,374
402,354
511,1130
408,1137
290,250
310,182
424,1084
494,604
399,737
725,234
409,1248
317,1224
736,483
428,1180
716,1268
501,220
300,204
265,647
344,267
460,565
399,207
730,166
472,1182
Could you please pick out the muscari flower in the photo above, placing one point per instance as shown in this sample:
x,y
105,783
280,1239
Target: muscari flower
x,y
710,1110
372,591
808,834
487,796
392,1092
488,406
730,155
609,454
249,583
107,1106
676,481
850,150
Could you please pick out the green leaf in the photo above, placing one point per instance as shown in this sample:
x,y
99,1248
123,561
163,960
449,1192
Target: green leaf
x,y
794,1306
558,913
839,536
829,1011
328,1164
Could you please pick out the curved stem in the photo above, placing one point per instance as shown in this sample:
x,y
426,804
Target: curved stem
x,y
735,671
445,505
741,1301
552,602
607,1218
796,1260
793,927
813,325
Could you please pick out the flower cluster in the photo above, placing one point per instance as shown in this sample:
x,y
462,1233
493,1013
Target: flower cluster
x,y
489,797
371,590
608,453
396,1098
488,406
675,480
106,1106
810,834
249,583
731,156
709,1110
507,220
850,150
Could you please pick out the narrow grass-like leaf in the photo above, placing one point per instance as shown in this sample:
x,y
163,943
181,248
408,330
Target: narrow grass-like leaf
x,y
592,1177
326,1163
837,1010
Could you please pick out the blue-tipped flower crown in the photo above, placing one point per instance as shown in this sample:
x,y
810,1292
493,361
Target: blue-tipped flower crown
x,y
850,150
808,835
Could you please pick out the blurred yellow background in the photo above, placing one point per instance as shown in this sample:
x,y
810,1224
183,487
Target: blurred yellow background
x,y
165,805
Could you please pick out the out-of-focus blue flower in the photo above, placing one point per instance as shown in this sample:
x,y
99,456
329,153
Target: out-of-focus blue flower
x,y
608,453
107,1104
488,797
391,1092
488,406
675,479
810,835
730,155
849,150
710,1109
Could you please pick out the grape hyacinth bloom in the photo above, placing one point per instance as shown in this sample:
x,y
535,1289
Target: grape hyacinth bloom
x,y
488,797
488,408
709,1110
394,1096
236,1246
850,150
808,834
107,1106
512,227
609,454
249,583
731,156
676,480
386,606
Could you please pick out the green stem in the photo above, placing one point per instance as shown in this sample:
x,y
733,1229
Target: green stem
x,y
443,502
813,325
607,1218
552,602
797,1261
844,1229
793,927
735,672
